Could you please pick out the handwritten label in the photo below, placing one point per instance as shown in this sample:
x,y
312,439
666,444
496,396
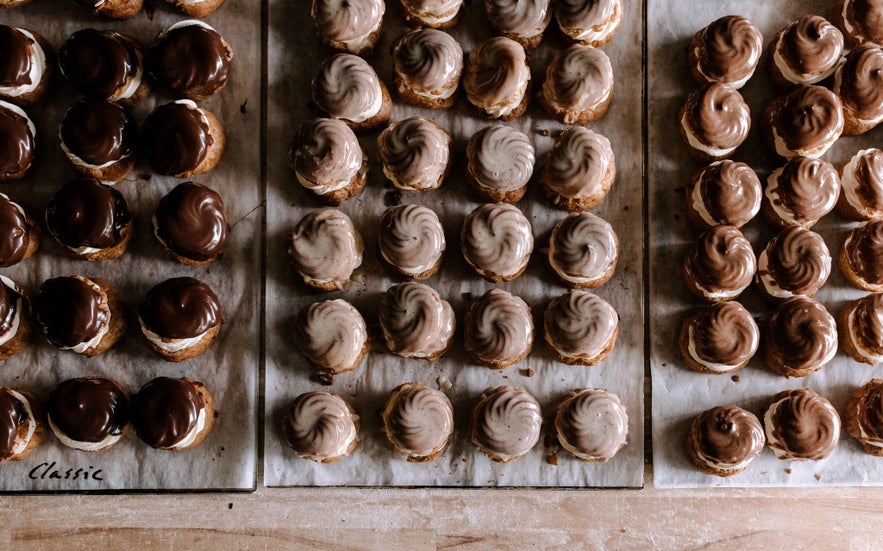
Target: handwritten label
x,y
53,471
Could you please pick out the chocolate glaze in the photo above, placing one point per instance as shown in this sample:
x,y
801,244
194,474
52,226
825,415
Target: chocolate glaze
x,y
87,213
165,410
803,425
724,334
869,402
728,435
869,175
811,45
803,191
866,18
99,131
99,63
191,60
802,334
722,259
17,143
727,50
864,251
14,232
9,300
506,422
70,310
798,261
718,116
808,117
728,191
15,57
867,323
180,308
13,416
176,138
191,222
88,409
860,82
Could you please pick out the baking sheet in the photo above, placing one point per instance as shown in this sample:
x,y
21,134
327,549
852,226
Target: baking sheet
x,y
294,56
227,459
680,394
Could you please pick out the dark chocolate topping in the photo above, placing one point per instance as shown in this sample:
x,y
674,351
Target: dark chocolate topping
x,y
8,307
98,63
808,117
191,221
15,57
725,333
866,18
722,259
802,333
870,409
867,322
17,143
799,260
12,416
86,213
728,49
70,310
728,434
718,115
98,131
191,60
806,188
861,82
165,410
865,251
176,138
14,232
88,409
812,45
804,425
180,308
730,192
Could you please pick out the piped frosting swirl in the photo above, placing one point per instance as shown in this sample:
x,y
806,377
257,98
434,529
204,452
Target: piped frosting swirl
x,y
859,83
418,421
863,252
496,240
500,157
499,328
347,21
721,337
346,87
727,437
416,322
326,247
801,425
580,325
806,122
521,18
320,426
728,50
721,263
411,238
583,248
578,163
506,423
332,334
795,262
801,335
415,153
496,76
578,79
428,62
808,50
725,193
802,191
717,117
326,155
592,424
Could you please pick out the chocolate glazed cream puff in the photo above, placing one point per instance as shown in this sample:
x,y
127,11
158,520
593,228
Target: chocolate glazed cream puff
x,y
580,169
18,142
15,319
437,14
861,186
22,423
415,154
346,87
321,427
579,85
418,422
726,51
89,414
348,26
191,59
27,66
800,193
505,423
428,64
190,222
591,424
328,161
589,22
412,241
861,258
795,262
801,338
416,322
860,328
99,139
182,139
326,248
714,121
496,240
720,265
858,84
173,414
806,51
580,328
583,250
105,65
804,123
499,163
800,425
333,336
521,20
860,20
499,329
724,440
724,193
496,79
720,338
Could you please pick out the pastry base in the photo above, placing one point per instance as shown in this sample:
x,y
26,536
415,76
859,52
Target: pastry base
x,y
190,351
118,322
201,9
23,336
108,253
579,360
853,277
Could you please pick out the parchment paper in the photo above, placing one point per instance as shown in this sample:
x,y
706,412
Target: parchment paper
x,y
294,56
680,394
227,459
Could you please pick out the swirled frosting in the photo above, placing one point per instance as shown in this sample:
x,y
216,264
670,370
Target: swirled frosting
x,y
725,193
320,426
578,163
521,18
592,424
416,322
859,83
500,158
428,62
727,438
801,334
578,79
332,334
802,191
191,222
583,248
716,119
863,21
795,262
411,238
806,122
326,247
496,76
863,252
801,425
721,337
807,50
867,402
415,153
433,12
418,421
326,155
865,328
346,87
721,264
18,143
506,423
15,231
499,328
861,183
496,240
347,21
727,50
589,21
580,325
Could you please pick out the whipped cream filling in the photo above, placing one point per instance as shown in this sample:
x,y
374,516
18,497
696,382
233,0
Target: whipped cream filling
x,y
694,142
19,111
766,279
867,440
793,76
194,432
6,337
22,443
109,440
94,341
711,366
699,205
862,281
170,345
498,110
38,68
435,19
772,186
361,42
717,464
862,351
132,83
597,32
719,295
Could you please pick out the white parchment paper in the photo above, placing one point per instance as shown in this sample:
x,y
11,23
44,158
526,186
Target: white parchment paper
x,y
227,458
680,394
294,56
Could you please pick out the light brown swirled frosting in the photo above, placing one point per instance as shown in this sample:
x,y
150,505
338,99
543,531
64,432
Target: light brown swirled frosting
x,y
578,163
863,252
863,21
802,191
795,262
506,423
583,248
859,83
433,12
867,405
350,22
861,183
521,18
326,155
332,334
592,424
416,322
428,62
326,247
801,334
346,87
579,78
411,238
865,328
721,337
721,263
727,438
806,122
415,153
801,425
716,119
727,50
321,427
418,421
499,328
808,50
496,76
580,324
500,157
589,21
496,240
725,193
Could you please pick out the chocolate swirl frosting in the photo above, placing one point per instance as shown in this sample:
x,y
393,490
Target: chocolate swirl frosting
x,y
807,118
803,190
578,162
718,116
580,323
496,73
87,213
811,45
319,425
16,57
191,221
100,63
506,422
866,322
18,145
14,419
869,411
585,14
864,251
802,334
346,87
859,83
345,20
180,308
88,409
801,425
525,18
727,50
592,424
10,305
15,231
500,157
165,411
499,327
863,21
331,334
796,261
863,184
418,420
325,246
496,239
721,260
416,322
725,193
428,61
583,245
191,59
723,334
176,137
98,132
415,153
71,310
411,238
579,78
326,152
727,436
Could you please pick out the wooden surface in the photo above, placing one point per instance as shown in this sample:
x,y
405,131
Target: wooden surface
x,y
417,519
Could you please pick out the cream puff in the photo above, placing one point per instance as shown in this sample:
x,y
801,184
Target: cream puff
x,y
800,425
800,193
15,319
579,85
727,51
19,232
173,414
416,322
714,121
326,248
499,329
191,59
436,14
190,223
801,338
412,241
864,416
719,338
496,240
499,163
99,139
505,423
858,83
27,66
592,424
89,414
580,169
496,79
427,64
583,250
724,193
328,161
182,139
351,26
196,8
860,20
416,154
720,265
333,336
806,51
724,440
860,329
861,186
803,123
418,422
346,87
113,9
22,423
796,262
18,142
321,427
589,22
580,328
521,20
105,65
861,258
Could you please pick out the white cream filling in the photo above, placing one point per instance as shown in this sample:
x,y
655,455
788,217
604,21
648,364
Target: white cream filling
x,y
133,83
867,440
170,345
770,286
716,464
21,444
719,295
502,109
372,110
694,142
772,185
191,2
322,189
80,162
359,43
862,351
109,440
793,76
194,432
711,366
19,111
734,83
38,68
596,33
6,337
